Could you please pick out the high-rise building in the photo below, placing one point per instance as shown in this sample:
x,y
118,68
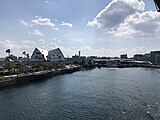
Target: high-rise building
x,y
79,53
157,59
154,57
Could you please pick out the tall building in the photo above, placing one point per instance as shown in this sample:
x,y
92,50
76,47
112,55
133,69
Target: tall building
x,y
155,56
79,53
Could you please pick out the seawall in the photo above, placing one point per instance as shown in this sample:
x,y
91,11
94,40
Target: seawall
x,y
42,75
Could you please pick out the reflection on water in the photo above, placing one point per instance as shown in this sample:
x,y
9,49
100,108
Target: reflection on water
x,y
113,94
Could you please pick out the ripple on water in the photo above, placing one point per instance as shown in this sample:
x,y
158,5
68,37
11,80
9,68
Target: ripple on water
x,y
99,94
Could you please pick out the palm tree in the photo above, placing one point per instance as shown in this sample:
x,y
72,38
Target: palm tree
x,y
8,51
27,55
27,61
24,53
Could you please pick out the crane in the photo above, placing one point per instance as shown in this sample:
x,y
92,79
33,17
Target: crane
x,y
157,4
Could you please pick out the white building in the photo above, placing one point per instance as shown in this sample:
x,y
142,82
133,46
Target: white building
x,y
39,55
55,55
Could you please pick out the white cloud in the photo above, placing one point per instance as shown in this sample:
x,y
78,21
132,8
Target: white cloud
x,y
17,47
48,44
55,29
141,25
66,24
60,42
41,41
128,18
8,44
43,21
86,48
27,45
78,40
51,45
37,33
108,52
22,22
115,13
131,52
46,1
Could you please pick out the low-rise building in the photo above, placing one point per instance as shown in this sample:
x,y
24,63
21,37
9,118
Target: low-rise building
x,y
138,57
11,58
147,57
123,56
141,57
39,55
55,55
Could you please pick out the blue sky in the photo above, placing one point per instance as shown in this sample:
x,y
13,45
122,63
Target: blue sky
x,y
96,27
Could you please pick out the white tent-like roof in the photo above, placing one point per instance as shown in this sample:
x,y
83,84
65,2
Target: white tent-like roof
x,y
44,52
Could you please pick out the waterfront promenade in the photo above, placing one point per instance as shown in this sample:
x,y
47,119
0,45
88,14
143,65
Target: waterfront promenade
x,y
26,77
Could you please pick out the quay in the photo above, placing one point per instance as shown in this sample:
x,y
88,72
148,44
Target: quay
x,y
35,76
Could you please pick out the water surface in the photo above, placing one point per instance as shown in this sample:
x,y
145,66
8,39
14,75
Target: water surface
x,y
99,94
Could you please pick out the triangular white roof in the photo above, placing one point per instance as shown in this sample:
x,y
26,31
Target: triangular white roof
x,y
44,52
56,51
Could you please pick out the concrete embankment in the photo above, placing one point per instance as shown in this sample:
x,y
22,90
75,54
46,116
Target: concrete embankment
x,y
42,75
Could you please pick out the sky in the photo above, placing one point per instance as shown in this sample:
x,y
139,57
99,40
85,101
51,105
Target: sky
x,y
95,27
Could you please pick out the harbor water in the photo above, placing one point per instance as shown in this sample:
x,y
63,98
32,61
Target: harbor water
x,y
99,94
